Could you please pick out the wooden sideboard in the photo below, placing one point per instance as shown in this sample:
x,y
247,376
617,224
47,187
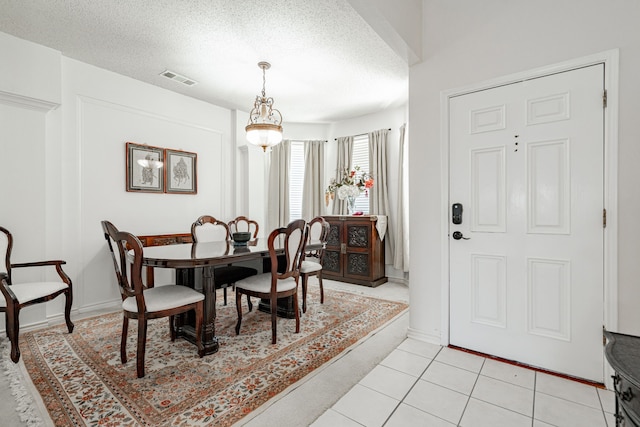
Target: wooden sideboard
x,y
623,353
165,239
162,240
354,252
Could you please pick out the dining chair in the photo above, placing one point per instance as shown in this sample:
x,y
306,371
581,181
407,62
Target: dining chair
x,y
142,303
242,223
277,283
208,229
312,259
23,294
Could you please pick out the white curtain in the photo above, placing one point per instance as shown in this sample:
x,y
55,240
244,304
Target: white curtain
x,y
401,249
345,149
313,184
379,199
278,189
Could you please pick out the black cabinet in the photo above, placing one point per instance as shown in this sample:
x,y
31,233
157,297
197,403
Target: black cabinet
x,y
623,353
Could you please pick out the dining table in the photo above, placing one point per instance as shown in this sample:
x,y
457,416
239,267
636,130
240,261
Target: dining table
x,y
189,259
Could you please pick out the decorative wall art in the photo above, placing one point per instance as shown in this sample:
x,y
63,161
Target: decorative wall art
x,y
180,174
144,168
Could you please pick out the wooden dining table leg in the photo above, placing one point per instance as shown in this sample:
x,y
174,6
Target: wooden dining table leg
x,y
209,339
186,323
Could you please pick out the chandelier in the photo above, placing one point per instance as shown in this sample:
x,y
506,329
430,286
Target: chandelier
x,y
264,128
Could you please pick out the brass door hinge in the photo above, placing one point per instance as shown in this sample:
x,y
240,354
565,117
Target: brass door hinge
x,y
343,248
604,218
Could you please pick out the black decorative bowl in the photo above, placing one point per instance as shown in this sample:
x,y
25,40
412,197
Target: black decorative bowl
x,y
241,238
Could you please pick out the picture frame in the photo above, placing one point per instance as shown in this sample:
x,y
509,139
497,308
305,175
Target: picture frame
x,y
145,168
181,172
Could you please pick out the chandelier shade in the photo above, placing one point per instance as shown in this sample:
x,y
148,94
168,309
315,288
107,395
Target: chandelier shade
x,y
265,122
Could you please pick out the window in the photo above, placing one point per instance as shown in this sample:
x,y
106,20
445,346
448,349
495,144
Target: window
x,y
296,178
360,157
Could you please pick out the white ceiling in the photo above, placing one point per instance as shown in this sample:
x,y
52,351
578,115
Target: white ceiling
x,y
327,63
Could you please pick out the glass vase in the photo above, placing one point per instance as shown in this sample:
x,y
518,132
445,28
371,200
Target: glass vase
x,y
351,205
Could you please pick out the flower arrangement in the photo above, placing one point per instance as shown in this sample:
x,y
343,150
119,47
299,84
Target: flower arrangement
x,y
351,184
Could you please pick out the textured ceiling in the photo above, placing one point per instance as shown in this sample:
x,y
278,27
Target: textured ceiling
x,y
327,63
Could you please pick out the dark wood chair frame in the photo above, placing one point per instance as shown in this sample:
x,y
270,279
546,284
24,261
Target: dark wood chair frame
x,y
224,277
13,306
242,223
131,285
291,269
318,256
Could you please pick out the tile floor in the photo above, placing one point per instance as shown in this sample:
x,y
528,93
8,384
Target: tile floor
x,y
421,384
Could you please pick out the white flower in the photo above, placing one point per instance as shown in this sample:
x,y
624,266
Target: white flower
x,y
345,191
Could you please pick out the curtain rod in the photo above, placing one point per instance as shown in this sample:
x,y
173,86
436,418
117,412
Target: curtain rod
x,y
360,134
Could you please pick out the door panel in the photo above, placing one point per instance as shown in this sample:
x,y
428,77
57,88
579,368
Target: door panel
x,y
527,166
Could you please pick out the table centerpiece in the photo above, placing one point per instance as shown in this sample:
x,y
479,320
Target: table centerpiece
x,y
349,186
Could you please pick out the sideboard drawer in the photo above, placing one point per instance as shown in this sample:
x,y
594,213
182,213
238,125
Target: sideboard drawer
x,y
623,353
628,396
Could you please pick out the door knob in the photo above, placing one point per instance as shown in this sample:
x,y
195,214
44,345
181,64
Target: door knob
x,y
457,235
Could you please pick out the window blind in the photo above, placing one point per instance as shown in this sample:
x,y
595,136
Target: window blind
x,y
296,178
360,157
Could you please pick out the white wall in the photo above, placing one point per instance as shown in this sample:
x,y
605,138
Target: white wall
x,y
103,111
75,174
466,42
30,186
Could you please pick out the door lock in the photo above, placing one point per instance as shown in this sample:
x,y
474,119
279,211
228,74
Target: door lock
x,y
457,235
456,213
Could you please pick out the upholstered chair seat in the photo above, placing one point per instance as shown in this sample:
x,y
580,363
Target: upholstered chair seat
x,y
262,284
310,267
27,292
163,298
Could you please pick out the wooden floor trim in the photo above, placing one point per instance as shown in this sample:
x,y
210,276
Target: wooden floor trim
x,y
533,368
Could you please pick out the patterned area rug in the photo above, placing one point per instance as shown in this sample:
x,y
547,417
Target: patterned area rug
x,y
82,381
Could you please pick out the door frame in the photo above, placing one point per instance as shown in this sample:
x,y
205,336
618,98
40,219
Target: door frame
x,y
610,59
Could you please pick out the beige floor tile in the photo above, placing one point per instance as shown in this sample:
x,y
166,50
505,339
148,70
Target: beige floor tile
x,y
564,413
568,390
461,359
437,400
389,381
483,414
451,377
509,373
365,406
406,415
408,363
505,395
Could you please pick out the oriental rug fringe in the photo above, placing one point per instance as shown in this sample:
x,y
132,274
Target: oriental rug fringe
x,y
82,382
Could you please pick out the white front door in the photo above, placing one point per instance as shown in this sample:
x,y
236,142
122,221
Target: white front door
x,y
526,277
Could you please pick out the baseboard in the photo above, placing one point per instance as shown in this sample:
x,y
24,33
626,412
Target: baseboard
x,y
103,306
421,336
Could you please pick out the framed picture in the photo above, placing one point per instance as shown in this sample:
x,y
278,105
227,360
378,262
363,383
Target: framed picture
x,y
145,166
181,174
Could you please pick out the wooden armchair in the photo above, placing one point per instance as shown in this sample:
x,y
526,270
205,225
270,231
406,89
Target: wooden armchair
x,y
19,295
